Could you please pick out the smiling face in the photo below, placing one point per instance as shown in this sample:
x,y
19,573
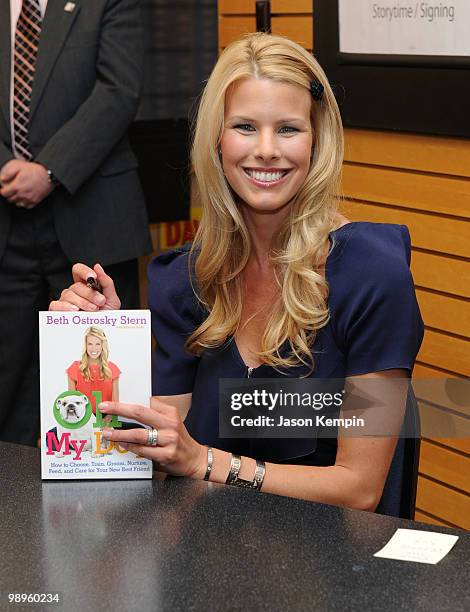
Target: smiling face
x,y
266,143
94,348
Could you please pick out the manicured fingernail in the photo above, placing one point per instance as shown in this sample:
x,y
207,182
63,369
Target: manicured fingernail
x,y
103,407
107,432
124,445
93,283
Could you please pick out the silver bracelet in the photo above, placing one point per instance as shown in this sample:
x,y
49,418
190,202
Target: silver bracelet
x,y
260,471
210,459
235,465
234,480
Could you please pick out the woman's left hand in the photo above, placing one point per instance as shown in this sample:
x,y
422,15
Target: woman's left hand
x,y
176,453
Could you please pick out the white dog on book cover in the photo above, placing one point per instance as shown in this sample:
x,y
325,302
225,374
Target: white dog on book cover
x,y
72,409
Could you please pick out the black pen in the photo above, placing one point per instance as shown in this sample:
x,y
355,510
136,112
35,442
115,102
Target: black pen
x,y
93,283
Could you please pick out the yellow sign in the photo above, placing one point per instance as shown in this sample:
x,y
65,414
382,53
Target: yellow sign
x,y
176,233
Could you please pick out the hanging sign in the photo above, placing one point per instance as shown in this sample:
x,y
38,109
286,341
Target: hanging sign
x,y
387,27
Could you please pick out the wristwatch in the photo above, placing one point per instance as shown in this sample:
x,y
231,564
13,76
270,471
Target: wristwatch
x,y
235,481
235,465
260,471
52,178
242,483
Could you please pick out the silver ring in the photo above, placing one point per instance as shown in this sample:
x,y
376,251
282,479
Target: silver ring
x,y
21,204
152,437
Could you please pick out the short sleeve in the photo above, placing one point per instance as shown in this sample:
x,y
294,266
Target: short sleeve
x,y
376,313
176,313
72,371
115,371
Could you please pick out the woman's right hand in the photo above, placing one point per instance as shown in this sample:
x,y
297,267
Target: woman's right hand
x,y
81,297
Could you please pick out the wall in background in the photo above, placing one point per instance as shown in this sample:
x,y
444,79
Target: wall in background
x,y
180,40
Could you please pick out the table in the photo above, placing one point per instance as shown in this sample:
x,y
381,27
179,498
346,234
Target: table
x,y
178,544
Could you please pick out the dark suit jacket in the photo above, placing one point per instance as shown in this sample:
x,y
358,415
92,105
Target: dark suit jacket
x,y
85,94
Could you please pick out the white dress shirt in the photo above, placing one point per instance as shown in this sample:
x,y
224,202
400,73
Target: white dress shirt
x,y
15,10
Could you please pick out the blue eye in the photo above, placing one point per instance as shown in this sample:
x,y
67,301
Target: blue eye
x,y
288,129
244,127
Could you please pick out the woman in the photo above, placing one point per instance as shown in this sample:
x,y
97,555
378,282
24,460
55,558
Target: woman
x,y
95,373
277,283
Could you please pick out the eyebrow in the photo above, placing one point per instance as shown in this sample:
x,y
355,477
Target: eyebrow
x,y
251,120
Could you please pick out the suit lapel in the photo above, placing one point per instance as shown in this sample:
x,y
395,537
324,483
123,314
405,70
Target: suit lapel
x,y
5,59
55,27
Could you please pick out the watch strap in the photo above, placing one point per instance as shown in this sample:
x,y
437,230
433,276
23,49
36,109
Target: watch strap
x,y
234,480
235,465
260,471
52,177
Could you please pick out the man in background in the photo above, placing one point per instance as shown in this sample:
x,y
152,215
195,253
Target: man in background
x,y
70,79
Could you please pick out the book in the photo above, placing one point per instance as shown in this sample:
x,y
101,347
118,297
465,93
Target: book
x,y
86,358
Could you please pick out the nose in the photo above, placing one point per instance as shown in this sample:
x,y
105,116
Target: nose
x,y
266,145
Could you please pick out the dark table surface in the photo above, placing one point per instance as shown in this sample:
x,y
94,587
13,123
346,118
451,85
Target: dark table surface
x,y
183,545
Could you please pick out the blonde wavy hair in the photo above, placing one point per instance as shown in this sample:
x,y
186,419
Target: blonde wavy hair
x,y
222,245
84,367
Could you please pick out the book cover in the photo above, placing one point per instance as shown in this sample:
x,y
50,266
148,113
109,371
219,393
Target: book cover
x,y
87,358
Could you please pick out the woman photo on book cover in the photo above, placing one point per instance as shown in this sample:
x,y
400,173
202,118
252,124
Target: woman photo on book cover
x,y
276,284
94,371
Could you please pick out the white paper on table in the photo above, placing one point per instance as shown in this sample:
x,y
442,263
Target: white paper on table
x,y
418,546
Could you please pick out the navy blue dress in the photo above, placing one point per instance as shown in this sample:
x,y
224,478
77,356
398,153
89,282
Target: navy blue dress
x,y
375,324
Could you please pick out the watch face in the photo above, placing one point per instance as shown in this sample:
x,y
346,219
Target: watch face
x,y
52,178
244,484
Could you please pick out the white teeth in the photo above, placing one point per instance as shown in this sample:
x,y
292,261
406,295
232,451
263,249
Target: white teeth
x,y
266,177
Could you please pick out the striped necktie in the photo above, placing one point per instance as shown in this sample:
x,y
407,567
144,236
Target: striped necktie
x,y
28,30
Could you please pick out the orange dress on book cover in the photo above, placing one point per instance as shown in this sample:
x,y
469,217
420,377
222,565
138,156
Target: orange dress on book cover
x,y
96,383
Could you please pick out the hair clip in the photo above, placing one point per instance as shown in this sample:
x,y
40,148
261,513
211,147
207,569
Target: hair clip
x,y
316,89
